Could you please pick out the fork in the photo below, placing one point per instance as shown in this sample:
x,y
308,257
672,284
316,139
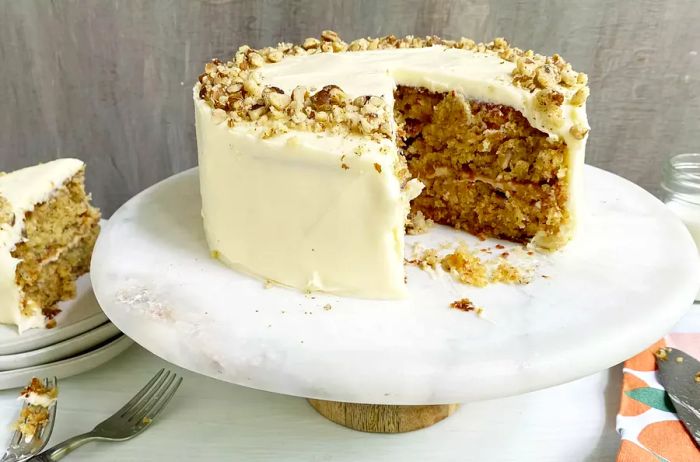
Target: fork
x,y
19,450
133,418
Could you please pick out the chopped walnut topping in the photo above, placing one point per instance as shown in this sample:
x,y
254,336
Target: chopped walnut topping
x,y
548,102
463,304
580,96
7,217
578,131
235,93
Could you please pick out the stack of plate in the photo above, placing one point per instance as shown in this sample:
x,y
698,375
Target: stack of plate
x,y
82,340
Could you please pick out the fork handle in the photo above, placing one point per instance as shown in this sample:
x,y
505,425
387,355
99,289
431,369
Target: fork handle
x,y
60,450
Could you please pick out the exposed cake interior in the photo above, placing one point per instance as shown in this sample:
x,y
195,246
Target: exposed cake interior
x,y
343,136
486,170
58,238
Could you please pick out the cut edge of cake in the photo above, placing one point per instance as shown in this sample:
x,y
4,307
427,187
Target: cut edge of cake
x,y
235,95
47,231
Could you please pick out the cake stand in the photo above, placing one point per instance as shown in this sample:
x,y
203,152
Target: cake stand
x,y
378,365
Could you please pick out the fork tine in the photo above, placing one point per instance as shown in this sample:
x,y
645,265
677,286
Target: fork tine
x,y
17,435
16,438
140,394
136,408
155,410
47,428
153,399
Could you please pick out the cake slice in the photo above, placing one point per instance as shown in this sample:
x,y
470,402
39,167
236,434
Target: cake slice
x,y
313,157
47,231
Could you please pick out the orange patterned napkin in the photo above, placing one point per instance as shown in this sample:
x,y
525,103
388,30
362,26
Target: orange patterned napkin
x,y
649,428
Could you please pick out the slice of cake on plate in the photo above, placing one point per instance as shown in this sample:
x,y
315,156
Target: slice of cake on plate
x,y
313,157
47,231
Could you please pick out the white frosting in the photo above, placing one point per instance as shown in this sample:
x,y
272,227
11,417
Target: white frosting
x,y
286,210
23,189
36,399
283,209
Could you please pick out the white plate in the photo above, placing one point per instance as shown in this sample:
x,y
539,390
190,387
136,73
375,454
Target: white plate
x,y
631,272
66,367
61,350
76,317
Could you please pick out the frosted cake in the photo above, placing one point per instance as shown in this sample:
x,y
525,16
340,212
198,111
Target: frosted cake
x,y
314,158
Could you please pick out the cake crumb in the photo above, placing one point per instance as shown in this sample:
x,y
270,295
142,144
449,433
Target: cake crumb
x,y
473,267
425,259
417,223
697,377
378,167
344,166
268,283
466,267
679,359
327,307
464,304
507,274
215,254
50,316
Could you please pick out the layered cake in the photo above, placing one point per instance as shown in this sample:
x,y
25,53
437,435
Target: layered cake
x,y
315,157
47,231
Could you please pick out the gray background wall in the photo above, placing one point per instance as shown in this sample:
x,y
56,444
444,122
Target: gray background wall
x,y
109,81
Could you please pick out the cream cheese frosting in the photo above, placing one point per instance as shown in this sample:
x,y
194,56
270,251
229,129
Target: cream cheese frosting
x,y
38,399
302,209
20,191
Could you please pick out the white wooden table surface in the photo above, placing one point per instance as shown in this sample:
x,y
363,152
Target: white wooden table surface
x,y
211,420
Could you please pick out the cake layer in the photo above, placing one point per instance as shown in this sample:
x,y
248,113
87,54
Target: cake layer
x,y
515,212
309,212
493,141
485,168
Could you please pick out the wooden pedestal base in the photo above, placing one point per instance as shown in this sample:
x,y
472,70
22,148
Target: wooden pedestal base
x,y
382,418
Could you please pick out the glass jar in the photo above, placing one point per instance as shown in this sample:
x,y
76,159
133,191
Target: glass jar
x,y
681,185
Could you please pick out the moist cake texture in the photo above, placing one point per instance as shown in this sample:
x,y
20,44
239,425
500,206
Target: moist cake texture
x,y
312,156
485,168
47,231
